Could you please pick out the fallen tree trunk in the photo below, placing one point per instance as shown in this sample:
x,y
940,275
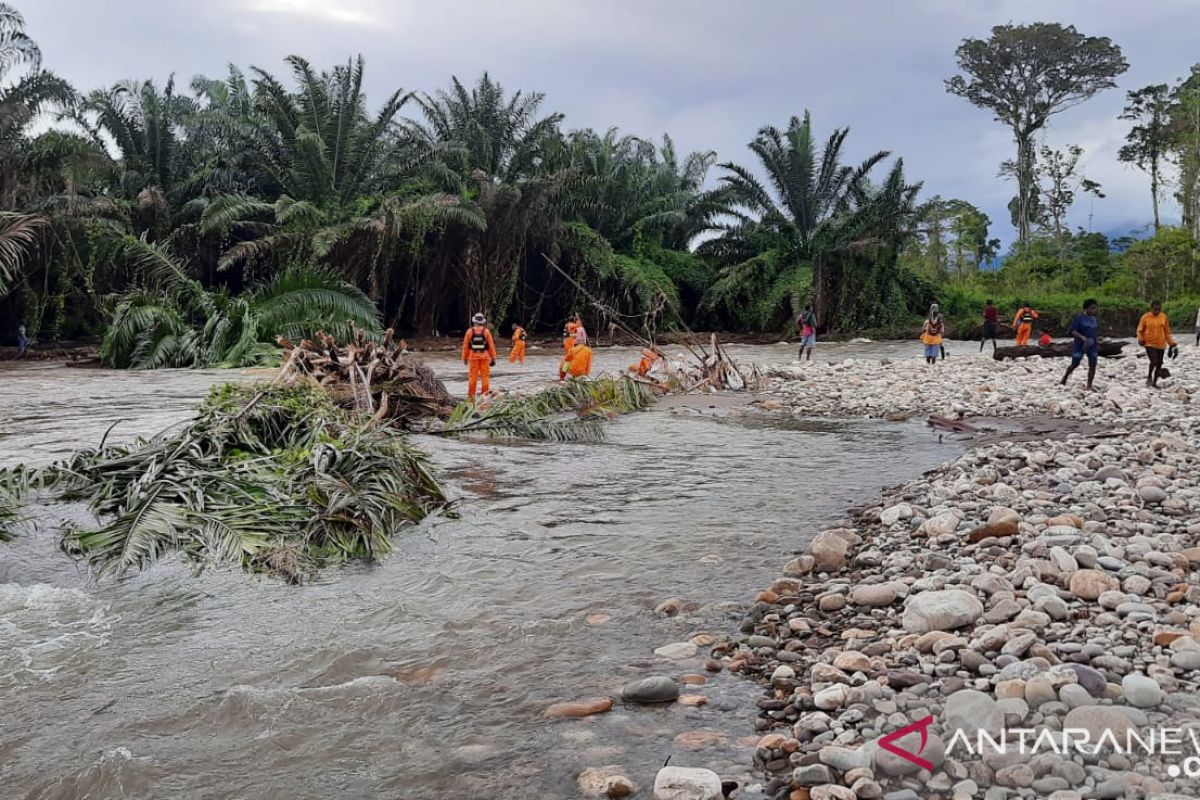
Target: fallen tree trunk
x,y
1107,349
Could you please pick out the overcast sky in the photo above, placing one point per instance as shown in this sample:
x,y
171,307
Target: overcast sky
x,y
709,72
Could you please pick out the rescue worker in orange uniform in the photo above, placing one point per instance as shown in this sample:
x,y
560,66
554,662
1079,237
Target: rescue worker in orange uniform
x,y
479,354
643,367
1023,322
577,364
569,333
519,337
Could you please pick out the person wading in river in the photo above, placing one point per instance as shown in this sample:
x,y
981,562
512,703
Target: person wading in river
x,y
573,325
577,364
808,332
931,334
1154,334
479,354
519,337
1085,332
1023,322
991,324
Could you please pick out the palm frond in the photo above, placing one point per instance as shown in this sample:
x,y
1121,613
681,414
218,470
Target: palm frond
x,y
571,412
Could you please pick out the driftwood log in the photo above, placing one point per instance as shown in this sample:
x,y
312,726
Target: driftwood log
x,y
1107,349
375,377
946,424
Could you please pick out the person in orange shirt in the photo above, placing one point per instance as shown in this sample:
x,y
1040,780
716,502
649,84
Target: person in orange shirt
x,y
479,354
1023,322
519,337
569,331
643,367
577,364
1154,334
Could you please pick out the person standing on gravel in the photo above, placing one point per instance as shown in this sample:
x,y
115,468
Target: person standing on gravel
x,y
1085,332
931,334
1197,327
808,332
991,324
1154,334
1023,322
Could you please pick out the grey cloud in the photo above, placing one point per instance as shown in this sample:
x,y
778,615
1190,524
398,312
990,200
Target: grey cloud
x,y
709,72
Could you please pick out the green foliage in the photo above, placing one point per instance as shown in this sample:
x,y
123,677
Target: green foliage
x,y
271,478
817,215
1071,262
573,411
1163,267
171,320
761,293
14,491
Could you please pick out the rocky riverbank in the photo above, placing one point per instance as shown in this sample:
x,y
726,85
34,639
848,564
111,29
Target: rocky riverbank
x,y
1039,587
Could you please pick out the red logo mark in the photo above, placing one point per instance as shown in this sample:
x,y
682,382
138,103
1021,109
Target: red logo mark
x,y
920,725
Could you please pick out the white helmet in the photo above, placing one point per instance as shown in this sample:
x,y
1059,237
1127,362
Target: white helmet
x,y
478,319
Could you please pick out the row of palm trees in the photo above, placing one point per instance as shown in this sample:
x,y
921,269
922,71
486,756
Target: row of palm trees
x,y
176,219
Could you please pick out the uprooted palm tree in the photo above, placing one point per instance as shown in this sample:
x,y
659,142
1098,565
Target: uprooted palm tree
x,y
272,478
816,225
171,320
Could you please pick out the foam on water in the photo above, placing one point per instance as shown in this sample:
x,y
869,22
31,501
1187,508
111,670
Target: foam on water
x,y
44,628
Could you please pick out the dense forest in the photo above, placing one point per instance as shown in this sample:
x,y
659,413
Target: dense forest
x,y
191,225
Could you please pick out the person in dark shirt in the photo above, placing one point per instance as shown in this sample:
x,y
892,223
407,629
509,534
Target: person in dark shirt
x,y
991,323
1085,330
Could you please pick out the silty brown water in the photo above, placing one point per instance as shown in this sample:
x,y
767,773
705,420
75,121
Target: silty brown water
x,y
423,677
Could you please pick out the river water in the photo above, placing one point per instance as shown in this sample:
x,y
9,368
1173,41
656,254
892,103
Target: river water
x,y
423,677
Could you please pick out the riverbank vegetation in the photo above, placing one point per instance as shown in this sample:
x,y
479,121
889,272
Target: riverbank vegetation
x,y
191,225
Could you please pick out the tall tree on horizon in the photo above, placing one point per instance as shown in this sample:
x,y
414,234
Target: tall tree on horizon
x,y
1025,74
1148,141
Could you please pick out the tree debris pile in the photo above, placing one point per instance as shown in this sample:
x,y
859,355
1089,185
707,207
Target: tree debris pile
x,y
703,370
373,377
275,478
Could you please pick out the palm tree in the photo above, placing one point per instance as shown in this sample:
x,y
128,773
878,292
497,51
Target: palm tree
x,y
804,233
171,320
21,100
492,150
324,177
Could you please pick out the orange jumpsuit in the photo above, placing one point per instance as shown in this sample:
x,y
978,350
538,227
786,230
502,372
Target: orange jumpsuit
x,y
578,362
1023,322
478,353
643,367
569,337
518,345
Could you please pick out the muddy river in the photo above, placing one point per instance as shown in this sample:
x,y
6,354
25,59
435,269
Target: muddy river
x,y
425,676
